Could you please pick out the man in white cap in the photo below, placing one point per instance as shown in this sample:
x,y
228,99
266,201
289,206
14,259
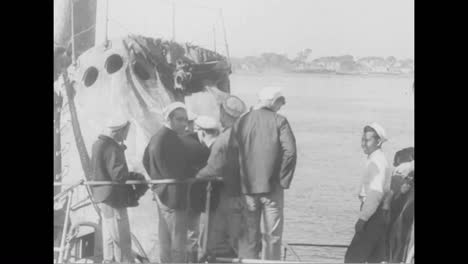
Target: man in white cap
x,y
225,221
370,229
207,129
165,158
109,164
197,147
267,154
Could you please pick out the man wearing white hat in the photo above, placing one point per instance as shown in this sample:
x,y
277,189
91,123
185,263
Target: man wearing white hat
x,y
371,226
197,147
267,154
225,221
165,158
109,164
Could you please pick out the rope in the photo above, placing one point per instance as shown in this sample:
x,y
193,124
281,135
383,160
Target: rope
x,y
86,30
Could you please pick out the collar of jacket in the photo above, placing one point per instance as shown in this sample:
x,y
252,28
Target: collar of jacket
x,y
262,107
111,140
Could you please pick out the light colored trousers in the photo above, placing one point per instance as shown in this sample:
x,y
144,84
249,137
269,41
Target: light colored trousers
x,y
269,207
172,231
225,226
116,236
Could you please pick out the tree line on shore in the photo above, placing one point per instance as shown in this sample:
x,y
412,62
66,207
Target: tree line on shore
x,y
303,62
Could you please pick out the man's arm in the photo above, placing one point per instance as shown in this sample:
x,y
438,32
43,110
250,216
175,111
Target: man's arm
x,y
216,160
289,155
116,165
376,192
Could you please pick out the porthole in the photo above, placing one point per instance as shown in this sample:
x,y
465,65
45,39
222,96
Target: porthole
x,y
140,71
90,76
113,63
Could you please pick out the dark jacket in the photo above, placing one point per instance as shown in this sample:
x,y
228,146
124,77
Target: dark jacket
x,y
224,162
267,151
109,164
165,158
197,156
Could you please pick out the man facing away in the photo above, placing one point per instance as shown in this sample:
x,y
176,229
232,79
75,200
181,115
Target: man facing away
x,y
267,156
225,221
165,158
371,226
109,164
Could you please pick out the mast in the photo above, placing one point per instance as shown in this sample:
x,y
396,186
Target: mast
x,y
214,38
72,18
173,20
224,33
106,24
83,24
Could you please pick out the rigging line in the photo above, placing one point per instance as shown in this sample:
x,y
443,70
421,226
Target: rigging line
x,y
74,36
73,32
86,30
130,31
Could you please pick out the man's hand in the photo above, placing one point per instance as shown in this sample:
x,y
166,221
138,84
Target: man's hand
x,y
360,225
404,169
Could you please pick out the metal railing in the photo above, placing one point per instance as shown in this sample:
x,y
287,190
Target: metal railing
x,y
69,192
132,182
71,186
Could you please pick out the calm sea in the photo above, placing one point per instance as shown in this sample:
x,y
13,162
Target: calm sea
x,y
327,114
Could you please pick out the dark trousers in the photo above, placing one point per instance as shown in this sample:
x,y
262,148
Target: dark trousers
x,y
369,244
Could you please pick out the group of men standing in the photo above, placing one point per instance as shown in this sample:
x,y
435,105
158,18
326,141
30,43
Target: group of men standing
x,y
253,152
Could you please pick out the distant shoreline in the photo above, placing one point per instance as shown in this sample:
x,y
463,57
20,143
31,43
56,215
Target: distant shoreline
x,y
324,73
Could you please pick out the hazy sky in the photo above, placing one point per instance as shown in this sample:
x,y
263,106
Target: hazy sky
x,y
328,27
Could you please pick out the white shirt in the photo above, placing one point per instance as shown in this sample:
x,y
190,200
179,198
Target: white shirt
x,y
375,183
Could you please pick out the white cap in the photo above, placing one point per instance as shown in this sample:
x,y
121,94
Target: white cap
x,y
206,122
270,94
117,123
191,116
380,131
234,106
171,107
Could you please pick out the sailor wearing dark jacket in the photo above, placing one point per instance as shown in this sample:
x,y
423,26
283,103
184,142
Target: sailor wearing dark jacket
x,y
267,156
109,164
165,158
